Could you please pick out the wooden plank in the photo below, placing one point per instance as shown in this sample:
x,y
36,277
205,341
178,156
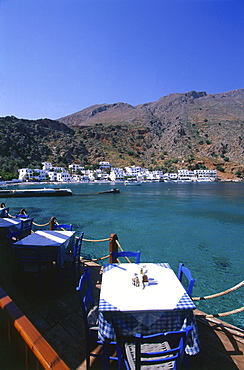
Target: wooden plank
x,y
46,355
222,345
64,343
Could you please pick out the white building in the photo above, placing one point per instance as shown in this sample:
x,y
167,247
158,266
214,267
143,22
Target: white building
x,y
64,177
116,174
172,176
186,175
91,176
206,175
133,171
25,174
155,176
100,175
28,174
105,165
47,166
52,175
75,167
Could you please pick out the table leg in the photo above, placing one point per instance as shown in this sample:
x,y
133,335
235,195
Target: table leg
x,y
105,356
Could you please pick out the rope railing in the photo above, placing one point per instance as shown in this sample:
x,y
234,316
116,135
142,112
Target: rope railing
x,y
23,212
232,312
219,294
237,286
99,240
87,240
117,242
238,310
121,249
95,259
41,225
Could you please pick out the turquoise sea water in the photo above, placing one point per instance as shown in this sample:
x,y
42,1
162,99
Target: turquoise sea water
x,y
200,224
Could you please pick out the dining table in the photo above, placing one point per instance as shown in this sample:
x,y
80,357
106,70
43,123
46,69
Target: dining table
x,y
130,303
63,240
8,225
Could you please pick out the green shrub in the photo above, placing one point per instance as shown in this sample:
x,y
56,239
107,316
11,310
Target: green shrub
x,y
220,168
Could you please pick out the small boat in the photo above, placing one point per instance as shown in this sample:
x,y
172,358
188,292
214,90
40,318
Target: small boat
x,y
19,193
111,191
132,182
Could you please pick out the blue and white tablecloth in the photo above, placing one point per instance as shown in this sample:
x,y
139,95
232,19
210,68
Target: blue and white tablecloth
x,y
8,225
64,240
162,306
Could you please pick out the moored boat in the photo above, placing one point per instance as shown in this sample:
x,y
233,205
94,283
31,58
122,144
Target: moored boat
x,y
132,182
111,191
18,193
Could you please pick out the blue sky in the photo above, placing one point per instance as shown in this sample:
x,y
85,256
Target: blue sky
x,y
61,56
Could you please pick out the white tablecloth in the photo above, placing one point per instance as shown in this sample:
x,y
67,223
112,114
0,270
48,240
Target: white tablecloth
x,y
161,306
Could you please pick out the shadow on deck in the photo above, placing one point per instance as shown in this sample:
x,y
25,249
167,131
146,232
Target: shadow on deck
x,y
58,317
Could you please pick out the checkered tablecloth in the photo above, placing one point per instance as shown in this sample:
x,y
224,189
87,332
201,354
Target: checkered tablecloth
x,y
148,321
8,225
64,240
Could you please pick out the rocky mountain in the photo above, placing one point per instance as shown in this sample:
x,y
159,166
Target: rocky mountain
x,y
181,130
190,127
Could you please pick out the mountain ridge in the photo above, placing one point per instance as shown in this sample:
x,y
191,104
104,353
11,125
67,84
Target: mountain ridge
x,y
173,103
181,130
189,127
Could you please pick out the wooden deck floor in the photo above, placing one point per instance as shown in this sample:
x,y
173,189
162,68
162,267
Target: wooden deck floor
x,y
58,318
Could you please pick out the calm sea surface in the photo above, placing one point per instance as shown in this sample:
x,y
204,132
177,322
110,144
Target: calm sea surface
x,y
200,224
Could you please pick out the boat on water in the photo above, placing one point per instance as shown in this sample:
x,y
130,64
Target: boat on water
x,y
19,193
132,182
111,191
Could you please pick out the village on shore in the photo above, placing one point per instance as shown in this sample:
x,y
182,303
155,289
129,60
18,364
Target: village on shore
x,y
106,172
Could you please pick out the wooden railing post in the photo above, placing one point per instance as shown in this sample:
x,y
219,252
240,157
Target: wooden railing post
x,y
51,223
113,246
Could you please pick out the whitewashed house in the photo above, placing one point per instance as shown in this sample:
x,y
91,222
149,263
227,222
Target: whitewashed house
x,y
91,176
206,175
52,175
155,176
75,167
47,166
170,176
64,177
25,174
105,165
101,175
77,178
186,175
116,174
28,174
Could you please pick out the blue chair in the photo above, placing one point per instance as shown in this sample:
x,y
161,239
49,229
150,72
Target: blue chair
x,y
136,255
4,212
21,216
67,227
13,237
73,258
33,263
159,351
26,227
186,279
90,316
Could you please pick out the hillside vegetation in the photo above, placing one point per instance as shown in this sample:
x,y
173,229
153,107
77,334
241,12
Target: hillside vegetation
x,y
186,130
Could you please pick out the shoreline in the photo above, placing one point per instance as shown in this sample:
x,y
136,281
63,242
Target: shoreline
x,y
15,183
